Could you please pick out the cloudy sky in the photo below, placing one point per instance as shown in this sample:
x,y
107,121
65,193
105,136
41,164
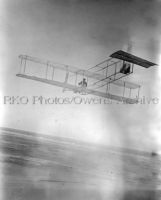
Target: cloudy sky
x,y
81,33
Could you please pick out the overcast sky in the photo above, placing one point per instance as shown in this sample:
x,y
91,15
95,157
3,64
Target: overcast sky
x,y
80,33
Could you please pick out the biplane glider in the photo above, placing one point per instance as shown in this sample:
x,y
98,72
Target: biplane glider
x,y
98,80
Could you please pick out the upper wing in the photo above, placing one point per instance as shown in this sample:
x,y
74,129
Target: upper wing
x,y
78,71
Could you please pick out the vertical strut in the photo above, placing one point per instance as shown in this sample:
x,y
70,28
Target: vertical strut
x,y
124,90
67,74
132,67
24,65
87,80
66,77
21,65
130,93
47,70
138,92
76,79
107,88
53,73
115,70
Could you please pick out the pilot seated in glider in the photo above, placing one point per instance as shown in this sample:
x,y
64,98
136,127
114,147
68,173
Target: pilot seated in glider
x,y
125,68
83,83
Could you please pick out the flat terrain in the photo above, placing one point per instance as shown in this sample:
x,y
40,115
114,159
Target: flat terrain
x,y
35,166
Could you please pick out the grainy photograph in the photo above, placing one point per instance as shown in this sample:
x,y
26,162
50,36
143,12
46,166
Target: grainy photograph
x,y
80,99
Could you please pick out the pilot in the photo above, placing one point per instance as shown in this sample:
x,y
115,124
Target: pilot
x,y
83,83
125,68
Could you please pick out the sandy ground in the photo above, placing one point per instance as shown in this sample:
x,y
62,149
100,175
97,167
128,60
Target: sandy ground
x,y
35,166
